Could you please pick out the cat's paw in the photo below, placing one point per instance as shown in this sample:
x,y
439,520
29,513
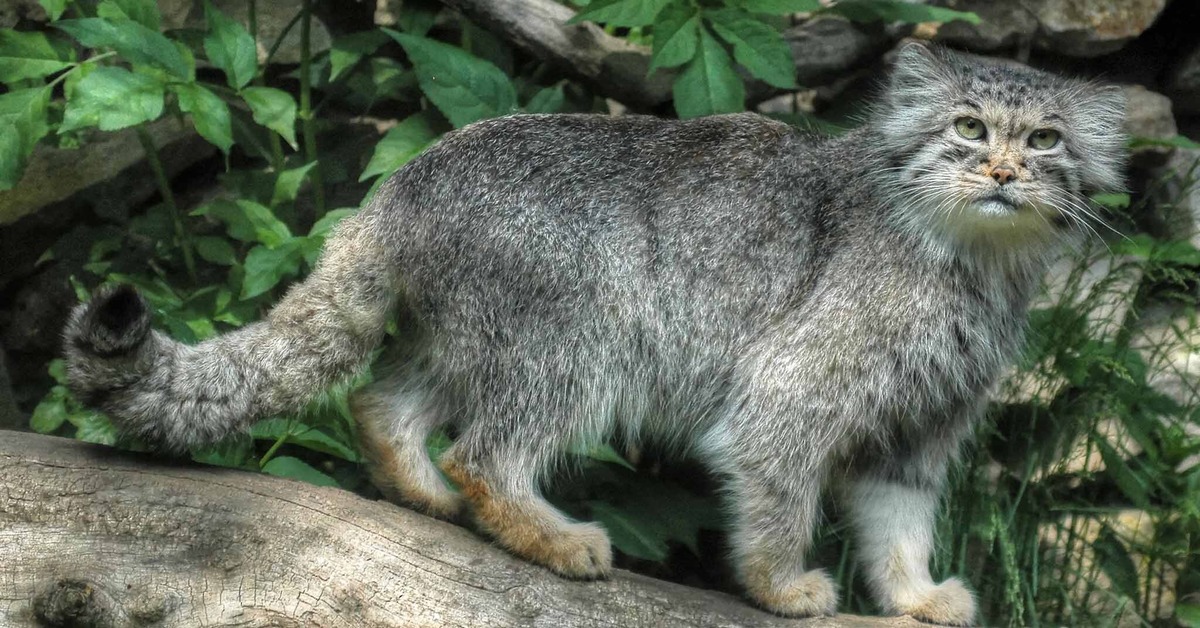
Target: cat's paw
x,y
810,594
579,550
948,604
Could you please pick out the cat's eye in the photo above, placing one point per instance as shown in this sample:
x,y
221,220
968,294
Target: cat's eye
x,y
1044,139
970,128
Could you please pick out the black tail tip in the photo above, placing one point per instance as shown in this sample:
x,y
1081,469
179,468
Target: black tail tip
x,y
114,322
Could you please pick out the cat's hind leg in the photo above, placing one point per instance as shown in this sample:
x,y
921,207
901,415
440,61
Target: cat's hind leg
x,y
395,416
496,463
893,508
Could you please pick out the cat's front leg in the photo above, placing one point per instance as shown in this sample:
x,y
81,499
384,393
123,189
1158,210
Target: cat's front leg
x,y
775,470
893,509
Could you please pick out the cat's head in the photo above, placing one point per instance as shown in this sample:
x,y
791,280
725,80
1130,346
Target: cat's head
x,y
995,150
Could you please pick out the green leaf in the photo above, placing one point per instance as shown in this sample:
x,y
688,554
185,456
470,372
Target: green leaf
x,y
546,100
50,414
233,452
603,453
418,16
302,435
296,469
1179,141
708,84
349,49
330,220
464,87
133,41
287,185
114,98
230,46
437,444
1116,563
266,267
898,11
1112,201
23,118
1131,485
247,221
216,250
210,114
780,7
54,8
274,109
676,33
31,56
758,47
1188,614
620,12
629,532
96,428
403,142
144,12
58,370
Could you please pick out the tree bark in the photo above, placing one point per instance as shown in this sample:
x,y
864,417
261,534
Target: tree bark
x,y
610,65
97,537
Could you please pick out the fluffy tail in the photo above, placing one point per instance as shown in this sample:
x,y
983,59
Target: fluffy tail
x,y
179,395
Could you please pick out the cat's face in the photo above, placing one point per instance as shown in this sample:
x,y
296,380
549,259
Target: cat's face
x,y
985,148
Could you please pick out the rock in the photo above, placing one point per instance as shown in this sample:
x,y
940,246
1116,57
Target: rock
x,y
1071,542
1175,188
1079,28
272,17
46,178
1183,83
1169,342
11,417
1148,114
826,48
1002,24
387,12
1089,28
13,11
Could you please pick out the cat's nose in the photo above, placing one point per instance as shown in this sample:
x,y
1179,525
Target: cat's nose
x,y
1004,174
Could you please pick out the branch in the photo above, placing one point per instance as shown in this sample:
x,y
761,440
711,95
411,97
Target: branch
x,y
824,49
93,536
610,65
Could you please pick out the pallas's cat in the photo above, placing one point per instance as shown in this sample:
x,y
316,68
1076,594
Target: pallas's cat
x,y
801,313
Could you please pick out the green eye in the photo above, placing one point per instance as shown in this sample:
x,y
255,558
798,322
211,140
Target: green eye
x,y
1044,139
970,128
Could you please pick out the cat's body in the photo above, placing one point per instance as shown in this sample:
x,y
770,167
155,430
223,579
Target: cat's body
x,y
795,311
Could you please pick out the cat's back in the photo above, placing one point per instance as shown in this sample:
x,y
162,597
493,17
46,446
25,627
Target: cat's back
x,y
561,160
561,202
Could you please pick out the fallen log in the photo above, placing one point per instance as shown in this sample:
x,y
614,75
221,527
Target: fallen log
x,y
91,536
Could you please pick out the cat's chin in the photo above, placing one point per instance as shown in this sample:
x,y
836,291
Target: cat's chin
x,y
995,206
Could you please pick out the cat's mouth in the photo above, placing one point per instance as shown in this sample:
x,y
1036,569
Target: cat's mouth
x,y
997,205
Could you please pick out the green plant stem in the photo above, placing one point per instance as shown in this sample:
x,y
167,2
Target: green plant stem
x,y
164,188
275,144
287,433
308,126
62,77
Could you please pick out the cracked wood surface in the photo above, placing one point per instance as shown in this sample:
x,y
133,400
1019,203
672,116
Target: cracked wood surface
x,y
131,540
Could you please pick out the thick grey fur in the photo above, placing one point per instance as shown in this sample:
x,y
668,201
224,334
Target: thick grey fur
x,y
799,312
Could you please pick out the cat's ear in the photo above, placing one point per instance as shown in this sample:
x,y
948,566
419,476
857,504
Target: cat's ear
x,y
919,71
1107,102
1098,124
